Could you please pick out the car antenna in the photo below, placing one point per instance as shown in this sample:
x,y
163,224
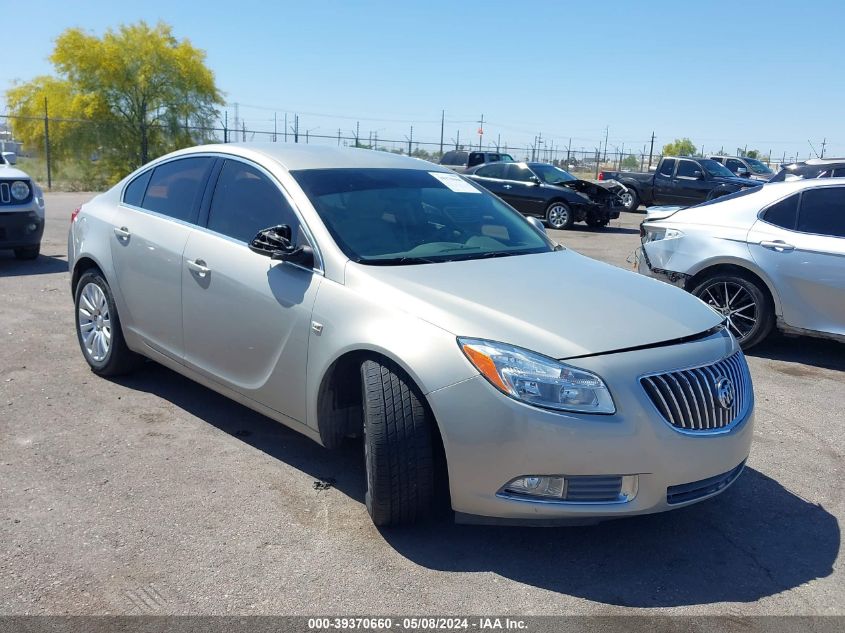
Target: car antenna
x,y
813,148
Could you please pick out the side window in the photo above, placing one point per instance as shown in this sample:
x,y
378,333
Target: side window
x,y
823,211
515,171
783,213
175,187
449,158
496,170
666,167
733,164
475,159
839,172
687,169
134,192
246,201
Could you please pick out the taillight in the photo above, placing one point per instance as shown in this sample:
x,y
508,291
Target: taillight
x,y
601,175
74,214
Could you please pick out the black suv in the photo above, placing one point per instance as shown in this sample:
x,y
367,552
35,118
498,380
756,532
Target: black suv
x,y
813,168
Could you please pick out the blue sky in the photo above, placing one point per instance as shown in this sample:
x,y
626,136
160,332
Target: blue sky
x,y
768,75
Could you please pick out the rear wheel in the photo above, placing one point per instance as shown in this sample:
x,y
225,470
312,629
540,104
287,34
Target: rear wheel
x,y
746,306
630,200
98,328
28,252
559,215
397,446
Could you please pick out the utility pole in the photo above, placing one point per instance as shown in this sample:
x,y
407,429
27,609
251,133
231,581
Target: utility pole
x,y
375,136
651,150
357,132
286,127
274,127
606,132
226,126
338,137
480,131
296,128
442,123
498,142
410,140
47,145
824,142
236,125
243,131
567,152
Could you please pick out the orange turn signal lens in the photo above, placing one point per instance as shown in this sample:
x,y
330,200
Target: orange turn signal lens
x,y
485,365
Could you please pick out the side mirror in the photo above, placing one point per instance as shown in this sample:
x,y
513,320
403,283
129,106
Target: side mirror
x,y
741,171
536,224
535,180
275,243
698,174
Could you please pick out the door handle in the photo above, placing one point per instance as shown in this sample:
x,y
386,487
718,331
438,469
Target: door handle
x,y
506,186
198,266
122,233
777,245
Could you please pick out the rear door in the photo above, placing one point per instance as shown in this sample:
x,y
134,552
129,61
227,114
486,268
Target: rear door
x,y
491,177
247,317
664,190
800,243
157,213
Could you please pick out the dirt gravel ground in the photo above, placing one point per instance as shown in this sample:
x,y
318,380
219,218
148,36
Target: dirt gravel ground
x,y
151,494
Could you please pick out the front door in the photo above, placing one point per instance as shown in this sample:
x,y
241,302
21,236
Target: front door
x,y
247,318
804,255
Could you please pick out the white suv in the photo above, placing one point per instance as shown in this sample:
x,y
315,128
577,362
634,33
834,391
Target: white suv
x,y
21,210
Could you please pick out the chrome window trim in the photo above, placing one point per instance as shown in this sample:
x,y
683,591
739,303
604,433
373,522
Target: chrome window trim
x,y
319,266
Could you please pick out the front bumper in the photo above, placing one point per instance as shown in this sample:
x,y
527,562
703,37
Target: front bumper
x,y
21,226
491,439
642,264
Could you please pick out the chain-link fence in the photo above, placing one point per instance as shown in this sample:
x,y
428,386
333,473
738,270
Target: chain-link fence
x,y
77,154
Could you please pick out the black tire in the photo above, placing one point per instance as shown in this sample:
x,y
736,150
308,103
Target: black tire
x,y
28,252
559,216
119,359
631,200
397,446
597,223
712,291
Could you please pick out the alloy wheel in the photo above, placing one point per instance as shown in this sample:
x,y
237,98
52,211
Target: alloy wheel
x,y
627,200
94,322
735,303
558,216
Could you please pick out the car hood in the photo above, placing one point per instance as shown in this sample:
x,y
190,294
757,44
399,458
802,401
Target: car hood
x,y
560,304
7,171
600,193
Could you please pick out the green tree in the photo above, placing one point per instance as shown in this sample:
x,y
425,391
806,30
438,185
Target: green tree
x,y
630,162
135,93
679,147
753,153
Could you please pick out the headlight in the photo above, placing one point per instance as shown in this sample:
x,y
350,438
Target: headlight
x,y
653,234
20,190
536,379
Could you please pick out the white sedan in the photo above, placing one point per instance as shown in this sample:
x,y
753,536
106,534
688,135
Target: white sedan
x,y
763,257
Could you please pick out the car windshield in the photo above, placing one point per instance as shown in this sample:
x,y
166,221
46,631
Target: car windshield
x,y
757,167
552,175
410,216
716,169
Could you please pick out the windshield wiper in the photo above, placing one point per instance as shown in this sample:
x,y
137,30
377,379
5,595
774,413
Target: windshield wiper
x,y
396,261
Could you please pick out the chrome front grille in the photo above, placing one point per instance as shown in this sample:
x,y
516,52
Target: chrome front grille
x,y
702,399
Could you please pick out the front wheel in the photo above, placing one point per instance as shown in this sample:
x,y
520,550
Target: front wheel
x,y
397,446
746,307
98,328
630,200
559,216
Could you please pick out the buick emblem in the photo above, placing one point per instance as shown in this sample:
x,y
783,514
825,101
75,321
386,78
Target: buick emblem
x,y
725,392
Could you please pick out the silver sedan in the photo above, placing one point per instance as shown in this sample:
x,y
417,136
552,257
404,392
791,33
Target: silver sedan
x,y
359,294
763,257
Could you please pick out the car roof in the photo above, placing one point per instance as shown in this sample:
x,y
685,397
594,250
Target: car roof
x,y
295,156
816,162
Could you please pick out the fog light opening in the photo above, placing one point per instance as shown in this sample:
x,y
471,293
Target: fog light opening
x,y
574,488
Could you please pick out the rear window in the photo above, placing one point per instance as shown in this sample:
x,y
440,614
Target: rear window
x,y
667,167
135,190
783,213
175,187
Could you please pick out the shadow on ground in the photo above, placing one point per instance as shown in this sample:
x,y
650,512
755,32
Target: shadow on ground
x,y
805,350
43,265
756,540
